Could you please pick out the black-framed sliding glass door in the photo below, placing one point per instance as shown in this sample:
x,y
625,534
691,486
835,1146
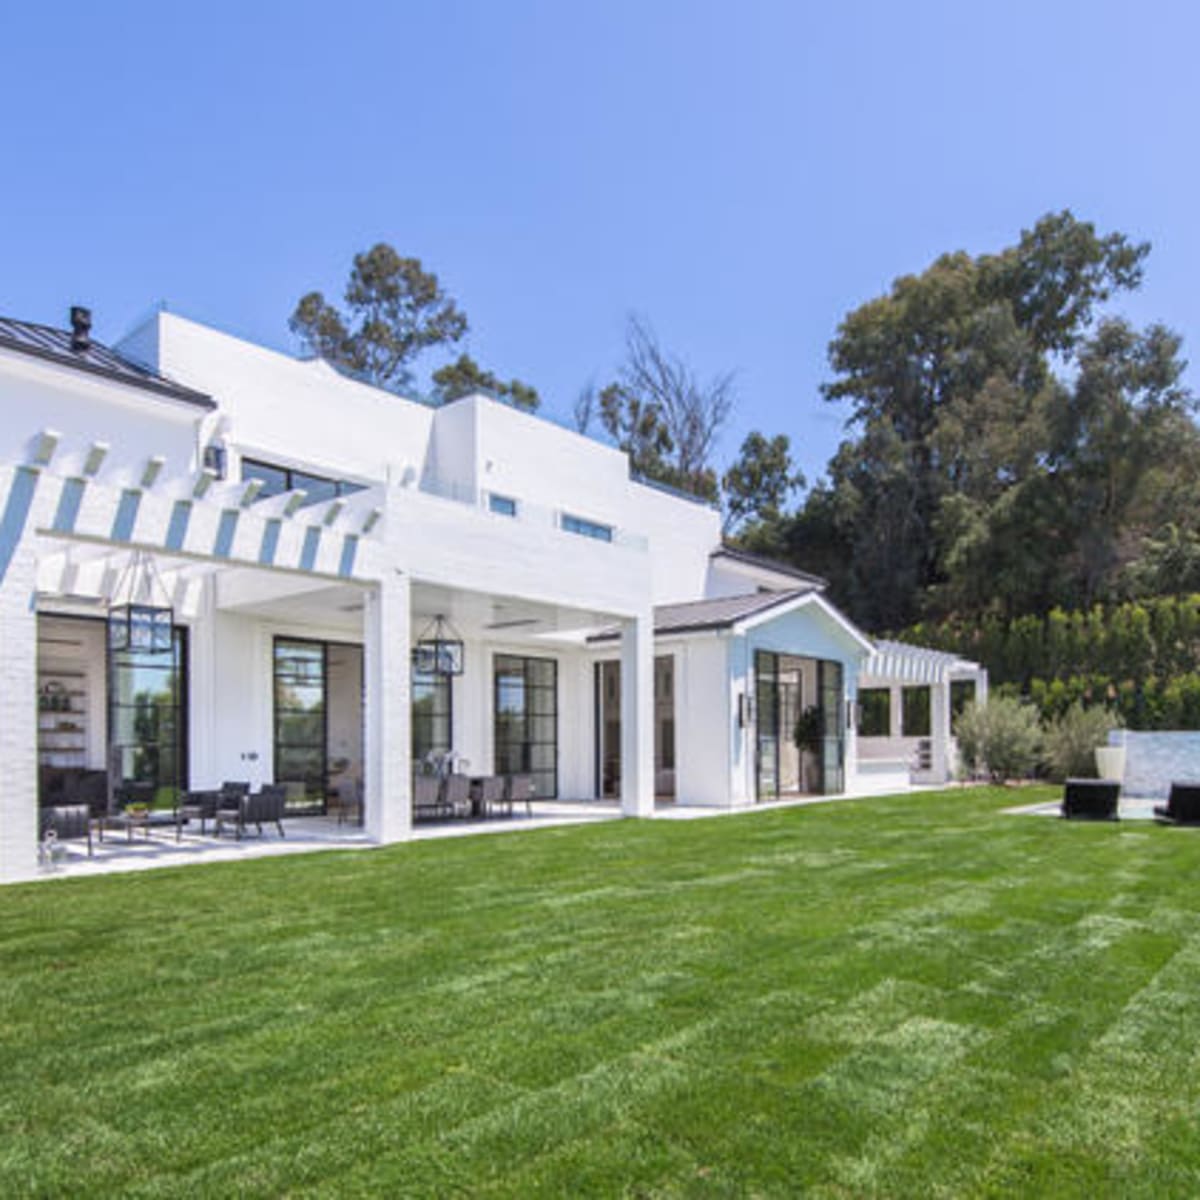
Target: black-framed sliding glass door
x,y
301,671
799,736
432,719
148,718
526,720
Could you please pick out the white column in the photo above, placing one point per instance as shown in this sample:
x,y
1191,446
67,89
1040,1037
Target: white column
x,y
387,713
895,710
18,715
939,718
202,685
637,716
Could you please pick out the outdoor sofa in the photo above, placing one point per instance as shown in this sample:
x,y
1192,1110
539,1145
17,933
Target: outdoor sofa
x,y
1091,799
1182,806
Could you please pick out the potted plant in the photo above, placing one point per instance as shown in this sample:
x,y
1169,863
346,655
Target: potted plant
x,y
1110,762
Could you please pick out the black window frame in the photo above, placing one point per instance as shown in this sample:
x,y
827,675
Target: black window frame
x,y
437,684
291,478
502,506
177,663
311,803
512,666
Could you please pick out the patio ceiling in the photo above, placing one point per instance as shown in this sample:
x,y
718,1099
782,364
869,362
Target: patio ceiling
x,y
497,617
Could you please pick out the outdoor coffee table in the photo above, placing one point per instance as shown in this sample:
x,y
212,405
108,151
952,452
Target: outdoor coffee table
x,y
127,821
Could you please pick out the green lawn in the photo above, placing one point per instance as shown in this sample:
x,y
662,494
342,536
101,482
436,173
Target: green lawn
x,y
891,997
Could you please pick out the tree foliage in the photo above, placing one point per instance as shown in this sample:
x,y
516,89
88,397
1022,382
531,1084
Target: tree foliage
x,y
662,415
465,376
1012,447
759,482
394,309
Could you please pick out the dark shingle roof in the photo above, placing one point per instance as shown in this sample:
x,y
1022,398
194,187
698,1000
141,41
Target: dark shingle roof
x,y
768,564
721,613
54,345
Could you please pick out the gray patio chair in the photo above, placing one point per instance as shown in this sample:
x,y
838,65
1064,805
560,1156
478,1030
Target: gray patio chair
x,y
196,806
493,795
519,789
66,821
427,798
456,797
1182,806
1091,799
267,804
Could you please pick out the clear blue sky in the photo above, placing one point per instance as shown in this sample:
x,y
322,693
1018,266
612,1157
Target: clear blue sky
x,y
741,173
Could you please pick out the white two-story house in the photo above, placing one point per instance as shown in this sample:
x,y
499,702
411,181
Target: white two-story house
x,y
339,587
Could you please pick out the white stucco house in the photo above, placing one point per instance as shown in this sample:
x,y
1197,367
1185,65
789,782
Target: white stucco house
x,y
304,533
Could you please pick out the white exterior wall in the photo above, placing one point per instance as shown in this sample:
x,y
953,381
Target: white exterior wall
x,y
280,408
85,409
706,733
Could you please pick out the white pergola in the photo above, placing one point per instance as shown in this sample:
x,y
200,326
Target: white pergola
x,y
897,665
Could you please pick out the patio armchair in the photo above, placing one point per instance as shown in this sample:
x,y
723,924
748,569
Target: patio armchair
x,y
492,795
427,798
456,796
267,804
519,789
1182,806
196,806
65,821
1091,799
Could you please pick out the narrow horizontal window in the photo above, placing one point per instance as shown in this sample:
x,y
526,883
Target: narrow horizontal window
x,y
506,506
277,479
585,528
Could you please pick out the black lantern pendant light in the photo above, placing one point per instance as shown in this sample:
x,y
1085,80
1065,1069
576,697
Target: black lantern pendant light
x,y
140,615
439,650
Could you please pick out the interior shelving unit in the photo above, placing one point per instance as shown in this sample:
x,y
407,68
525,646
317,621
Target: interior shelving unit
x,y
62,717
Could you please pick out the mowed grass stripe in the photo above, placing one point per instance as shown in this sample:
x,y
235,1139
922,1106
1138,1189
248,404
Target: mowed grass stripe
x,y
899,996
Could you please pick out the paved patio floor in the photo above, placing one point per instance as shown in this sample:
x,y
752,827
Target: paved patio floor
x,y
118,853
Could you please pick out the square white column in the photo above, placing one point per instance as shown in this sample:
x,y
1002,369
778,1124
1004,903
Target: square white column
x,y
637,716
388,713
18,716
939,717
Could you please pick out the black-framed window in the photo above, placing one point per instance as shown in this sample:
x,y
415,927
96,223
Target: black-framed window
x,y
962,693
148,718
505,506
432,717
586,528
874,712
277,479
526,720
915,712
301,671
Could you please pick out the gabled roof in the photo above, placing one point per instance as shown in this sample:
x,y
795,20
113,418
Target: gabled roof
x,y
721,613
54,345
767,564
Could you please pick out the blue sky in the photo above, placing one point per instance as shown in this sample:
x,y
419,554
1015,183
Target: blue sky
x,y
742,174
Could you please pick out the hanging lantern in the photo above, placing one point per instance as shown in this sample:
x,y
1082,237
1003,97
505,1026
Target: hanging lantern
x,y
439,650
140,616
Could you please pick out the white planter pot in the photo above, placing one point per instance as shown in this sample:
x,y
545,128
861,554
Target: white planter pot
x,y
1110,762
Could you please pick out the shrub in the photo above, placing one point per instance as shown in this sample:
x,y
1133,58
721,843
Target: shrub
x,y
1072,738
1002,740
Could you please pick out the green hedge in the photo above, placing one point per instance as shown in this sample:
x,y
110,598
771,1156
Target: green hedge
x,y
1133,641
1150,703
